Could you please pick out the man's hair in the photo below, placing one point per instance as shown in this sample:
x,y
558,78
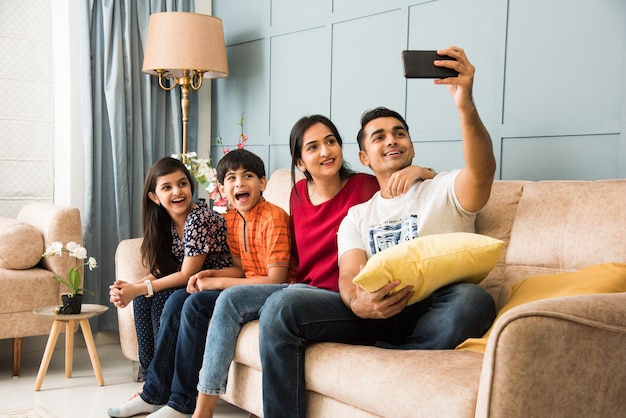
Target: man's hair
x,y
370,115
240,159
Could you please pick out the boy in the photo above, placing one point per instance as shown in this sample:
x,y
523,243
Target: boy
x,y
258,232
259,238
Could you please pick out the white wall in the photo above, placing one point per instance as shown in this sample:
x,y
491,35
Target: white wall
x,y
69,185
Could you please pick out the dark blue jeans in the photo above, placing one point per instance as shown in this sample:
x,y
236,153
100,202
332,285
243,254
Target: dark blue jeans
x,y
173,373
293,317
147,313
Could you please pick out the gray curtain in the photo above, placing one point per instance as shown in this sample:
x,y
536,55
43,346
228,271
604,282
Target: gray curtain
x,y
129,122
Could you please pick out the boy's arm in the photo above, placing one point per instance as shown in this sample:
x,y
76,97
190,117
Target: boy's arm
x,y
277,244
276,275
201,280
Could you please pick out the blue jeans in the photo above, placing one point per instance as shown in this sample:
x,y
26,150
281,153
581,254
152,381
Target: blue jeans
x,y
173,372
235,307
298,315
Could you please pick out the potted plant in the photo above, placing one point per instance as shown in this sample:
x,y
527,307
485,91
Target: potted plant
x,y
72,301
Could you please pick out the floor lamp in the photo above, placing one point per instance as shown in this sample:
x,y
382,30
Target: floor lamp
x,y
184,48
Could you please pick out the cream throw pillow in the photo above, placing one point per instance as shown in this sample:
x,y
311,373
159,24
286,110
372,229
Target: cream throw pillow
x,y
599,278
431,262
21,245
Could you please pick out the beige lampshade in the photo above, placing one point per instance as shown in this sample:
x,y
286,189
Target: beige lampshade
x,y
185,41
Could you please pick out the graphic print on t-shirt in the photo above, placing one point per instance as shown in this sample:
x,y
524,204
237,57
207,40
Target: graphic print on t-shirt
x,y
392,232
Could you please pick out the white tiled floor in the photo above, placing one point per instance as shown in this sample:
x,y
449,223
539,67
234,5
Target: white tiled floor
x,y
79,396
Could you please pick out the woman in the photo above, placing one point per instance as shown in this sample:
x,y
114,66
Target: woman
x,y
318,203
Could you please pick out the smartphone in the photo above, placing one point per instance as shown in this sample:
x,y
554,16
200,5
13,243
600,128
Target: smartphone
x,y
419,64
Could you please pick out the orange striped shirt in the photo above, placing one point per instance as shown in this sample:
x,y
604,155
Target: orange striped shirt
x,y
261,238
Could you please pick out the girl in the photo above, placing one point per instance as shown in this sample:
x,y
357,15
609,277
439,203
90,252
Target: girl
x,y
180,239
318,203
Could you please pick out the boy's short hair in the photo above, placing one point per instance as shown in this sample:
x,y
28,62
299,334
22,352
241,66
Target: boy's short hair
x,y
240,159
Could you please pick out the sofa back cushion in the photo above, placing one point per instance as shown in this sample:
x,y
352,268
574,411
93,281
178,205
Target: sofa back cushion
x,y
279,187
569,225
558,226
552,227
21,245
496,220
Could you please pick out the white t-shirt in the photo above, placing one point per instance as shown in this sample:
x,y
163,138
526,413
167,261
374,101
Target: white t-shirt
x,y
429,207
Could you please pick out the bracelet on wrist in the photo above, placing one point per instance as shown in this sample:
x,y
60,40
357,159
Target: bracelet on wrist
x,y
149,287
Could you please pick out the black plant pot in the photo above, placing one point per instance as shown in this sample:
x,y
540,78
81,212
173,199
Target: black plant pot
x,y
71,304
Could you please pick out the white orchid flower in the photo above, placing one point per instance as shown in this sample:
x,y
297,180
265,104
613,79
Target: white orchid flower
x,y
56,248
92,263
78,252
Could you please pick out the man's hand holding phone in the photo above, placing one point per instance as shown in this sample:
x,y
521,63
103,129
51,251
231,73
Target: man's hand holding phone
x,y
421,64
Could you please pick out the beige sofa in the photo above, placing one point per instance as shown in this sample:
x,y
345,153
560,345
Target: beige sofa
x,y
25,277
554,357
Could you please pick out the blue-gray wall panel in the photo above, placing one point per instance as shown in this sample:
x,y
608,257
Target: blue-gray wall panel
x,y
300,79
366,70
430,106
289,13
550,78
244,91
590,157
351,156
279,158
570,65
440,155
243,19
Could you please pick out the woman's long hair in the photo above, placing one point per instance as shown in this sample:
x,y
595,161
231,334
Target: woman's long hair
x,y
295,145
156,248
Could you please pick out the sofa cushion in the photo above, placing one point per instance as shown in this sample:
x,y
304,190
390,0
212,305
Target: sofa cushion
x,y
430,262
395,383
599,278
21,245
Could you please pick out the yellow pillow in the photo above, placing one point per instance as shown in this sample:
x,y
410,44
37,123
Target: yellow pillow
x,y
599,278
430,262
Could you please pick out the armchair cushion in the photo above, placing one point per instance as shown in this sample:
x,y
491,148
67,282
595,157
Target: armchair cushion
x,y
598,278
21,245
430,262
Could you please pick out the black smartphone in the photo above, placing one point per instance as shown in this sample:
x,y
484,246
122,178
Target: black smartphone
x,y
419,64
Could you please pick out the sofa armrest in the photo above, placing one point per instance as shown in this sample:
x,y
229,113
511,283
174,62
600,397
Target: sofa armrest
x,y
128,267
557,357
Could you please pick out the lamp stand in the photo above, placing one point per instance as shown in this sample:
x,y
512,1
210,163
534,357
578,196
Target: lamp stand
x,y
191,80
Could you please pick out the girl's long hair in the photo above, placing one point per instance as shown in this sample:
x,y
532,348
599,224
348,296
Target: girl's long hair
x,y
156,248
295,145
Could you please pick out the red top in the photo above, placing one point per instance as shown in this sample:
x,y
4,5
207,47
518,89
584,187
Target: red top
x,y
315,229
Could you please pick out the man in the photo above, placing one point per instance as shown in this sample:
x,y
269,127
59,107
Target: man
x,y
292,318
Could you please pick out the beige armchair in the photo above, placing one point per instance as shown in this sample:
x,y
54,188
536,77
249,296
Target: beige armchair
x,y
25,277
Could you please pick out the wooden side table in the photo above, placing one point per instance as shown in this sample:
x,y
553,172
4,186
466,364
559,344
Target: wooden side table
x,y
70,320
